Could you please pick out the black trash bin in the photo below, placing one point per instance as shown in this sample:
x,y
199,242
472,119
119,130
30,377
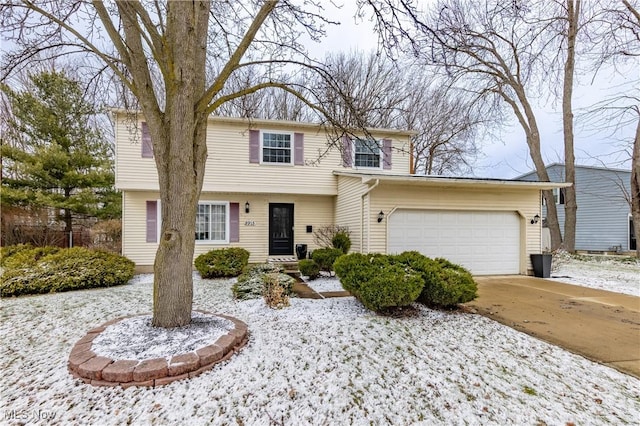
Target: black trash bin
x,y
541,265
301,251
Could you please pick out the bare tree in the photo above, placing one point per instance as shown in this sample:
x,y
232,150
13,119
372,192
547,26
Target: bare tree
x,y
488,48
176,58
618,44
446,121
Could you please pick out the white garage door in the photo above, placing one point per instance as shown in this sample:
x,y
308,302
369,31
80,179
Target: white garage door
x,y
484,242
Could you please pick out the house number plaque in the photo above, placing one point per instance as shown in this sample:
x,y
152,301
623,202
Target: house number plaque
x,y
250,223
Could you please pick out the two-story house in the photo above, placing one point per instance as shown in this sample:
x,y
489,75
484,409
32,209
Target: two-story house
x,y
603,218
269,184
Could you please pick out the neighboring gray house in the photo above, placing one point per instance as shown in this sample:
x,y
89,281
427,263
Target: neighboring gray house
x,y
603,219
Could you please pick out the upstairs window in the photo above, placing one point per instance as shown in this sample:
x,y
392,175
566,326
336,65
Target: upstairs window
x,y
212,222
276,148
366,153
558,196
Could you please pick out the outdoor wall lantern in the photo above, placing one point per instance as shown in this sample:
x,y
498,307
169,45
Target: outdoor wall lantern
x,y
380,216
535,219
247,205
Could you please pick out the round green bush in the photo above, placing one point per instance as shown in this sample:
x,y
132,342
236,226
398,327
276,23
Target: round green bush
x,y
309,268
64,270
379,282
227,262
451,285
326,257
341,241
426,267
353,269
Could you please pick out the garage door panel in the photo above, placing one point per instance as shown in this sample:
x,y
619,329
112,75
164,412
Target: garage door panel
x,y
483,242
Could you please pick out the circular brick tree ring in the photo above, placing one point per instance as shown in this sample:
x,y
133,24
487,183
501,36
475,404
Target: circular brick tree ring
x,y
98,370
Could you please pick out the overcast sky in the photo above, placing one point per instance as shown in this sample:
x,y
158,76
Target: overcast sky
x,y
508,156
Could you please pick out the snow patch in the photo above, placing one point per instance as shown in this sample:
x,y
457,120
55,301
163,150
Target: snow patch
x,y
135,338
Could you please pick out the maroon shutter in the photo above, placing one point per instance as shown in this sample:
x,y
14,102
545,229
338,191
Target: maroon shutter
x,y
152,221
298,142
347,148
234,222
254,146
386,154
147,145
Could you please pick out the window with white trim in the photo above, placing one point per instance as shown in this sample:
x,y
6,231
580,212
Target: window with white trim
x,y
212,222
558,196
367,153
277,148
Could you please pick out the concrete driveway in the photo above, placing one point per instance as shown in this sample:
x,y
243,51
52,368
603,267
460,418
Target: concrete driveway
x,y
597,324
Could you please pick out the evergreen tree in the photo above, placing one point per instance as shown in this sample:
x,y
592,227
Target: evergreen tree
x,y
52,155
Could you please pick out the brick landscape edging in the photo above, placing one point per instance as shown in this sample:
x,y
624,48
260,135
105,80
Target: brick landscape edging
x,y
97,370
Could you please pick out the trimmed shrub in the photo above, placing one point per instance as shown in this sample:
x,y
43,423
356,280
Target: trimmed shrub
x,y
274,291
250,284
379,282
428,268
309,268
326,257
227,262
56,270
341,241
451,285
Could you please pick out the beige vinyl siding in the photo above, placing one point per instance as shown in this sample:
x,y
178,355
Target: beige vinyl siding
x,y
134,227
254,226
132,171
349,208
228,168
391,197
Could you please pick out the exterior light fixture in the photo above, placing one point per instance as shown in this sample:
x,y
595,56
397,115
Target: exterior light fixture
x,y
380,216
247,205
535,219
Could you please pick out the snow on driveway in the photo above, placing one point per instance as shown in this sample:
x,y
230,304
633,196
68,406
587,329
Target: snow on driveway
x,y
318,362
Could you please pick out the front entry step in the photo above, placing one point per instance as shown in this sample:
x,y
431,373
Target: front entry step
x,y
289,264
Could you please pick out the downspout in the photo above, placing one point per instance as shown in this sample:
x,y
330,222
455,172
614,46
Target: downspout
x,y
371,188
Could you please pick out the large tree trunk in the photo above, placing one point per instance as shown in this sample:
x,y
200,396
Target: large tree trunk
x,y
570,205
635,187
180,152
527,119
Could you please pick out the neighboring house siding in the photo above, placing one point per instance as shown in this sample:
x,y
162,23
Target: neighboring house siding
x,y
525,203
348,208
602,218
316,211
229,167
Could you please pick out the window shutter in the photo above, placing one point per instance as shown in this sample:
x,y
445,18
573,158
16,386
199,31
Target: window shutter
x,y
234,222
152,221
254,146
298,142
386,154
347,147
147,145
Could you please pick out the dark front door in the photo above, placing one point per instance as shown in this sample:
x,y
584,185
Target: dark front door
x,y
281,229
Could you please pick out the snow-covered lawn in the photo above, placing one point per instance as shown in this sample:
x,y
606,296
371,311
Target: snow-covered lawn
x,y
605,273
324,283
317,362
